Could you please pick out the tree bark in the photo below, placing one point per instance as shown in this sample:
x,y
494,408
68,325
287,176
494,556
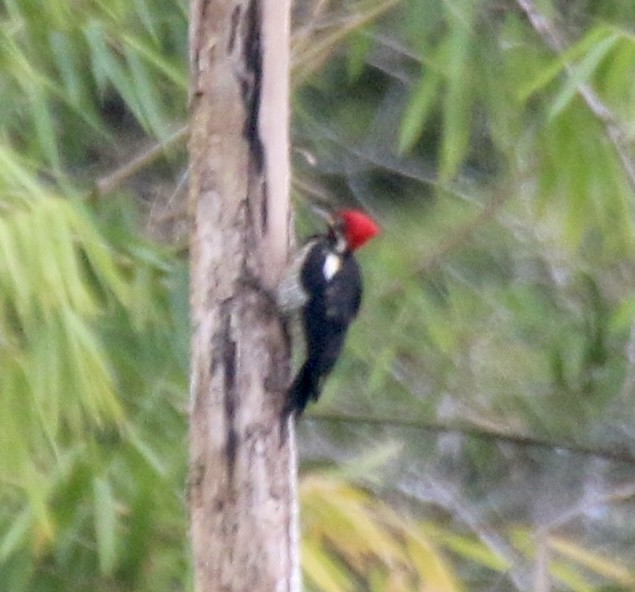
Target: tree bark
x,y
243,510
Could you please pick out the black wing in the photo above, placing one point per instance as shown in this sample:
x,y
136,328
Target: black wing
x,y
333,304
333,284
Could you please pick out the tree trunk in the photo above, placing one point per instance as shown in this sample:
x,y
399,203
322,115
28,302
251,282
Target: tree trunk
x,y
243,509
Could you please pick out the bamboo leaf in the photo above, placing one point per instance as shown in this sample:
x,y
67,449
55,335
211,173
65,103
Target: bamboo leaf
x,y
431,566
419,107
581,73
146,16
16,536
88,370
67,63
571,577
65,253
359,46
467,547
599,564
172,72
99,255
44,127
12,273
457,102
37,230
147,95
323,570
145,450
107,69
547,74
105,525
37,489
15,174
347,520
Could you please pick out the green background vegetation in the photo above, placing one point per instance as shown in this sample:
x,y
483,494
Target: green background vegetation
x,y
478,434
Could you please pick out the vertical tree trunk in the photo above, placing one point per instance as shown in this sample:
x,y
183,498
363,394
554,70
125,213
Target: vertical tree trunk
x,y
242,464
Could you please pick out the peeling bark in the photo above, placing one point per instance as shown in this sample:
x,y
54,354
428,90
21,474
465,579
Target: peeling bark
x,y
242,458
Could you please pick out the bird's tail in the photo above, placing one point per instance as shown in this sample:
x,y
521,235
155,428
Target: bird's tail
x,y
305,386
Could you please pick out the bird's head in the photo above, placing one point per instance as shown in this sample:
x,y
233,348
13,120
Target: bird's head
x,y
355,227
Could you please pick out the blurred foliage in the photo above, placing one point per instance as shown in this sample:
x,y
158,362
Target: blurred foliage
x,y
496,337
93,316
496,342
352,541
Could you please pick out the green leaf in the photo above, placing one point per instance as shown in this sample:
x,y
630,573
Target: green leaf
x,y
88,370
99,255
108,69
595,562
147,15
580,73
173,72
38,490
359,46
467,547
547,74
17,175
105,524
321,568
418,110
67,62
431,565
44,127
147,95
16,536
14,281
457,103
145,450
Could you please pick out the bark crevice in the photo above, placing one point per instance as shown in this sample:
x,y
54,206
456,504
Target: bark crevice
x,y
242,479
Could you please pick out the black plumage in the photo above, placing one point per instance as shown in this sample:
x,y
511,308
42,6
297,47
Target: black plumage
x,y
323,281
331,280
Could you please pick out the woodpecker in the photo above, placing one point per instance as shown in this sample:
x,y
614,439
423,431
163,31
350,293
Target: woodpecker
x,y
325,284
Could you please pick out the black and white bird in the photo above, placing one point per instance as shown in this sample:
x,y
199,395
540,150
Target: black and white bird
x,y
325,283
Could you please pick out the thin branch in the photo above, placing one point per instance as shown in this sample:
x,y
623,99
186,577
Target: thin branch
x,y
306,60
472,431
554,40
615,495
310,52
112,180
462,234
